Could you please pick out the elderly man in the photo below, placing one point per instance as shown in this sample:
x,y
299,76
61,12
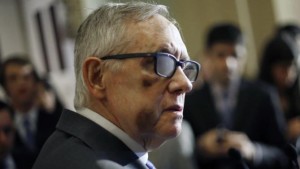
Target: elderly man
x,y
132,72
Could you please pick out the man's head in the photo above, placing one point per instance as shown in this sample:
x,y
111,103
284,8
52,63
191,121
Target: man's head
x,y
132,93
225,53
6,130
19,80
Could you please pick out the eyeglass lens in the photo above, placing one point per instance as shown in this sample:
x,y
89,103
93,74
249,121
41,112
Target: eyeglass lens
x,y
190,71
166,66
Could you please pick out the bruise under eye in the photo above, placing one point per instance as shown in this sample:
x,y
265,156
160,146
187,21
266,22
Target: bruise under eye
x,y
148,63
151,77
147,83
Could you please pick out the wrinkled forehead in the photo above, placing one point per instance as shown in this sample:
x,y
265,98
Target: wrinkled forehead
x,y
157,34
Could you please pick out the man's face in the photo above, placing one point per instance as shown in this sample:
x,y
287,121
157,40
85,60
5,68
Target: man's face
x,y
146,106
20,83
6,133
225,62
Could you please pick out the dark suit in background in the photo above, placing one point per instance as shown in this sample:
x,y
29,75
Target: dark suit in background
x,y
46,122
255,114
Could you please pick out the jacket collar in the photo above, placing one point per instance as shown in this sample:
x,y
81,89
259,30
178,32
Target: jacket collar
x,y
103,143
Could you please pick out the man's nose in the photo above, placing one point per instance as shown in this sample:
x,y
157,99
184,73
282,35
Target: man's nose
x,y
180,82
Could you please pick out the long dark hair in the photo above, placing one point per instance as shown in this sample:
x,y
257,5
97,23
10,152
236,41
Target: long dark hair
x,y
279,49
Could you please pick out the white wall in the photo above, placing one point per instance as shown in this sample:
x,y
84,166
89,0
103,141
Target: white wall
x,y
89,6
287,11
30,7
11,30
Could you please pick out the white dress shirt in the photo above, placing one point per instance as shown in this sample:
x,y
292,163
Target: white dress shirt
x,y
225,99
19,119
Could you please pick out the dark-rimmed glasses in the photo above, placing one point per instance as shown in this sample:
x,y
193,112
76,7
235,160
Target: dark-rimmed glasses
x,y
165,64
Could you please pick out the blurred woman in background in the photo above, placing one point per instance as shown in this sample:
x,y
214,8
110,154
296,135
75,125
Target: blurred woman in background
x,y
278,68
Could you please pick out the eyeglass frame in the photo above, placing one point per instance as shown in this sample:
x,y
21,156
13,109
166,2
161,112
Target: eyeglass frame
x,y
155,55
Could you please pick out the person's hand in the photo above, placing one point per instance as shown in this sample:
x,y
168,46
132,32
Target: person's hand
x,y
294,128
211,143
217,142
240,142
46,98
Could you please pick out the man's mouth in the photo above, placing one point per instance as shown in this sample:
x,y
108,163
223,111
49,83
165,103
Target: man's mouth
x,y
174,108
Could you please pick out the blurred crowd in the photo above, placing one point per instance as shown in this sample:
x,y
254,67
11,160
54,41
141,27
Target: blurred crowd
x,y
229,121
240,123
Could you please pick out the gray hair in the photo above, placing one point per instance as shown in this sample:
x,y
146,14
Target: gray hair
x,y
104,32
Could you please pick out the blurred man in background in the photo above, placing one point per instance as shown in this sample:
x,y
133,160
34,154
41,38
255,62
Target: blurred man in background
x,y
36,112
231,114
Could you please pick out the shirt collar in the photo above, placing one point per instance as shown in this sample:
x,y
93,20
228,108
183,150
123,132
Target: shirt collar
x,y
233,86
117,132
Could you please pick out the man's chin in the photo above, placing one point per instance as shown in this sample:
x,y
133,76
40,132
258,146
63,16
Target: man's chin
x,y
164,138
164,133
175,130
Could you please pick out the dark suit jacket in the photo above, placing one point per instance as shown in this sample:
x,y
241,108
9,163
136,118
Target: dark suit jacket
x,y
46,122
79,143
255,114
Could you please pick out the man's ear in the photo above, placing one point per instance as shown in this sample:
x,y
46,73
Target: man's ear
x,y
92,76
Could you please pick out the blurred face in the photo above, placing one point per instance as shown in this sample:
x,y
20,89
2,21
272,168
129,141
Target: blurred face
x,y
225,61
6,133
146,106
20,84
284,74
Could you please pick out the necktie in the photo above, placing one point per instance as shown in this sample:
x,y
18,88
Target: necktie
x,y
28,133
150,165
226,109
